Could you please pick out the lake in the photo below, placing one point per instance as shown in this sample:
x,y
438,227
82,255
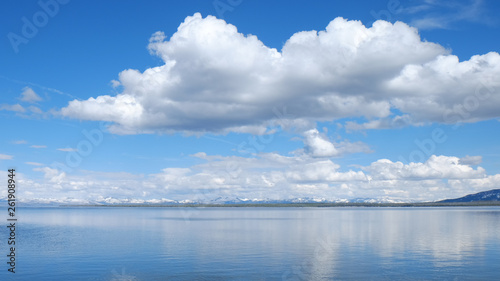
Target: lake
x,y
446,243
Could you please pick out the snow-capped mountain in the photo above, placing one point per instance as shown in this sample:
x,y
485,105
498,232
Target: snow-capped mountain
x,y
491,195
217,201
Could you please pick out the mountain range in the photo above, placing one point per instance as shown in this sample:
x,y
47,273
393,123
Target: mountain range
x,y
485,196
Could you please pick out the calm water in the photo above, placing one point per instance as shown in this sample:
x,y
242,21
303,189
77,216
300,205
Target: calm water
x,y
256,244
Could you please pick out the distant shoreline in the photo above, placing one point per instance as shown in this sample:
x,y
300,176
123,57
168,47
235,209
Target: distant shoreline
x,y
319,205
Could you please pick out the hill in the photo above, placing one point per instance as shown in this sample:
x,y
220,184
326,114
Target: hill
x,y
491,195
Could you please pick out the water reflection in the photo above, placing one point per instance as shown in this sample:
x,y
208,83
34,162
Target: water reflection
x,y
388,239
264,243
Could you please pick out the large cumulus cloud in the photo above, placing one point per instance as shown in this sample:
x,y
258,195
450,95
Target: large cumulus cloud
x,y
215,79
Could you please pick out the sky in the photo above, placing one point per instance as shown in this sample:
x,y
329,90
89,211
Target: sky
x,y
153,101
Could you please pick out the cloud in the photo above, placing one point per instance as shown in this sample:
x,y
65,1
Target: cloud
x,y
436,167
214,79
471,160
20,142
38,146
28,95
34,163
20,109
15,107
68,149
52,175
321,172
35,109
396,122
448,91
115,84
318,145
445,14
271,176
346,147
6,157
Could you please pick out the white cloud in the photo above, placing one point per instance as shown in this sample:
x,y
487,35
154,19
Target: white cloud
x,y
322,171
436,167
35,109
15,107
471,160
38,146
383,123
34,163
115,83
215,79
318,145
28,95
5,157
20,142
347,147
20,109
445,14
271,176
275,176
67,149
449,91
52,175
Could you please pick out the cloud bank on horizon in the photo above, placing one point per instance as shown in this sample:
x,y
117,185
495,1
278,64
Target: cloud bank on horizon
x,y
216,80
268,176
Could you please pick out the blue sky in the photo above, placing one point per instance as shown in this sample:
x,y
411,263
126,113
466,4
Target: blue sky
x,y
128,101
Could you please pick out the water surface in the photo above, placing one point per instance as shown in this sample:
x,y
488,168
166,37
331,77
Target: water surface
x,y
448,243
